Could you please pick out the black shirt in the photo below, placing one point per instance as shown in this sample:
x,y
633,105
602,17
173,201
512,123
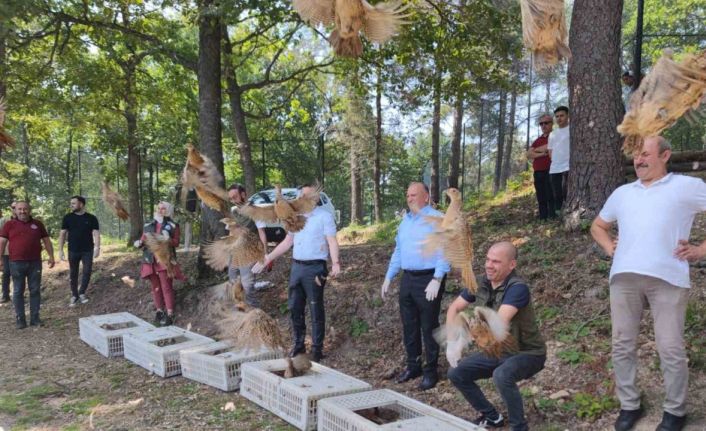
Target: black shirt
x,y
80,229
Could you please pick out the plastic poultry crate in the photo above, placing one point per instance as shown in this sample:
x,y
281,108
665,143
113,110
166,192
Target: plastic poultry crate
x,y
294,399
218,364
385,410
105,332
157,350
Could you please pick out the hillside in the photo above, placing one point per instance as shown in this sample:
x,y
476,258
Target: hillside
x,y
51,380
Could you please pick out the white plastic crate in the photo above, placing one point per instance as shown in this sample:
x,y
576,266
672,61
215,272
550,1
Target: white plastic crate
x,y
294,399
105,332
218,364
157,350
396,412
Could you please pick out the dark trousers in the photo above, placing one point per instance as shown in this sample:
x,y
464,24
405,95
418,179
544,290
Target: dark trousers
x,y
5,276
559,185
26,272
545,195
75,258
306,284
420,318
506,372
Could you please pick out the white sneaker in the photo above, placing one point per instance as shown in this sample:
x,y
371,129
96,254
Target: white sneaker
x,y
74,301
83,299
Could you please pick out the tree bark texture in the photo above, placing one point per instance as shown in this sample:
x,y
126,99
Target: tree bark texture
x,y
595,102
133,155
237,113
377,198
455,160
507,157
209,80
356,188
501,142
435,131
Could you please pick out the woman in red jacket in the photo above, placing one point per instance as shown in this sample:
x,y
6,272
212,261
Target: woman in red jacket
x,y
155,272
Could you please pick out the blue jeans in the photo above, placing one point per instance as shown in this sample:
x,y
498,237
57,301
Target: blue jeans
x,y
5,276
26,272
506,372
75,258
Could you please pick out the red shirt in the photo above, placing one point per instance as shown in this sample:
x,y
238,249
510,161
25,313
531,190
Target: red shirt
x,y
25,238
541,163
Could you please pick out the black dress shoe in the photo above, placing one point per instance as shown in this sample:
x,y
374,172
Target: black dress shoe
x,y
428,382
5,299
36,322
408,375
21,324
628,418
671,422
317,355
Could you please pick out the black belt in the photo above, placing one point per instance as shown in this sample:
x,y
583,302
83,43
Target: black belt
x,y
419,272
310,262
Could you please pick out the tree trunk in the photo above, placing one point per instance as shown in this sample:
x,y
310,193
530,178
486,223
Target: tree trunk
x,y
501,142
209,80
67,167
356,188
596,107
150,183
455,160
507,162
237,114
435,131
133,155
377,198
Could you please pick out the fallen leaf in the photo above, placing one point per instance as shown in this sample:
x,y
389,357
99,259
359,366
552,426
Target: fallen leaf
x,y
128,280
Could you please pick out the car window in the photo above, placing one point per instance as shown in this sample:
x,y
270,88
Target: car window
x,y
263,197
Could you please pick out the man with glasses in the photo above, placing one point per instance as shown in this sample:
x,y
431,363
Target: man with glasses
x,y
539,154
6,259
559,152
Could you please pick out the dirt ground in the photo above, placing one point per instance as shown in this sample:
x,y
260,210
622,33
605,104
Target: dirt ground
x,y
50,379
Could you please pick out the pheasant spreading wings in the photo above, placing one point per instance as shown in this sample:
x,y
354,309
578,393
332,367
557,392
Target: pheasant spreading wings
x,y
452,235
114,201
289,212
201,174
485,328
544,31
241,247
160,246
350,17
669,91
5,139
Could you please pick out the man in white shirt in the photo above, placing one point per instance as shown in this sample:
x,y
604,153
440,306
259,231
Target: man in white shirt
x,y
312,246
559,149
650,265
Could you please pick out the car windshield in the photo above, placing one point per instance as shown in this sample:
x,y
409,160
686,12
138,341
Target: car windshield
x,y
268,196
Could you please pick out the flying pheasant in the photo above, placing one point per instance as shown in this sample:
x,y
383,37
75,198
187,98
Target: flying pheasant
x,y
114,201
201,174
289,212
670,90
160,246
452,234
544,31
5,139
241,247
349,17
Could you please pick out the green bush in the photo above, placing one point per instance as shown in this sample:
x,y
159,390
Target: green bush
x,y
358,327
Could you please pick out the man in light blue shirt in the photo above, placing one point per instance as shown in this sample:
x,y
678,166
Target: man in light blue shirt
x,y
421,288
312,246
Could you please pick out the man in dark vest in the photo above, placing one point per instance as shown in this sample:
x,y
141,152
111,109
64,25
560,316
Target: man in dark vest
x,y
502,290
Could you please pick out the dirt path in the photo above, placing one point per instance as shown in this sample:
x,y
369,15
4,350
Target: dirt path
x,y
49,379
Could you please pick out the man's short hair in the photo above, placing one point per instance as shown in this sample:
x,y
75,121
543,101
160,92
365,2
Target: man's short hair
x,y
79,198
562,108
545,115
238,187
